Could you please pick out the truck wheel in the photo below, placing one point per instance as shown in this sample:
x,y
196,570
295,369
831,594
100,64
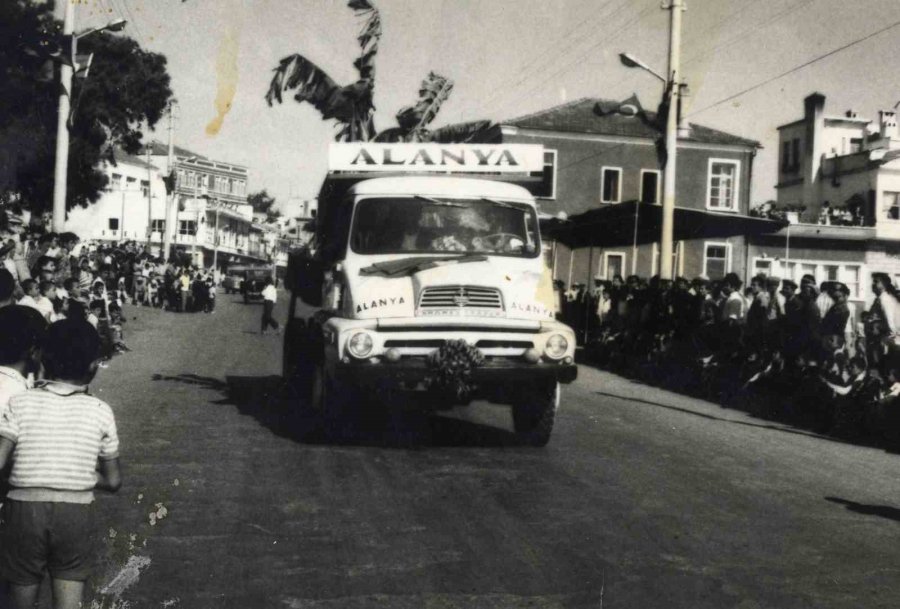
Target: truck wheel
x,y
535,413
329,403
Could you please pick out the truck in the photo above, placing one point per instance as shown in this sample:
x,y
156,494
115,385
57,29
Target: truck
x,y
426,277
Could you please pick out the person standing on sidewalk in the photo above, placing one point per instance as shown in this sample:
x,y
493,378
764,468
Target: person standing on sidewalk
x,y
269,295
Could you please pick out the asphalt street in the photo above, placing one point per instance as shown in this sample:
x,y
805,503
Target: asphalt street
x,y
643,498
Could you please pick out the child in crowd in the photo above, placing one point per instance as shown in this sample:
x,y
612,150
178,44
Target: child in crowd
x,y
30,289
116,333
44,302
63,444
97,308
210,296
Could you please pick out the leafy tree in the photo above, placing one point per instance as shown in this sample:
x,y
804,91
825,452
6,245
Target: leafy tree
x,y
126,88
261,201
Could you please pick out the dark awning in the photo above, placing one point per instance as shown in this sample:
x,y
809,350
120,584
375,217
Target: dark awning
x,y
614,225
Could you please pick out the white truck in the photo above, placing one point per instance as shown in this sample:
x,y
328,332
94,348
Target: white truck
x,y
428,276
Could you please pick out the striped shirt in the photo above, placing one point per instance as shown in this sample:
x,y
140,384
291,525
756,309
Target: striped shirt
x,y
11,383
59,431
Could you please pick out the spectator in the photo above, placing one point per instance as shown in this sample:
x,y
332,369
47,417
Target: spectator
x,y
72,449
7,288
269,296
44,302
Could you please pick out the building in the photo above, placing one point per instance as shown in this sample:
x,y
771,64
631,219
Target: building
x,y
839,186
214,221
600,153
132,208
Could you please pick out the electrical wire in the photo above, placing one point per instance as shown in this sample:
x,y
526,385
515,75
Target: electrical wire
x,y
587,52
544,60
540,77
731,41
797,68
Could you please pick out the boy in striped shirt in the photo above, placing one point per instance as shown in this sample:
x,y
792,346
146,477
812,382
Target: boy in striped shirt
x,y
63,444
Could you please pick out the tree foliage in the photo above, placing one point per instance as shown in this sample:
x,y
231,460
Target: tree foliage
x,y
127,88
261,202
351,105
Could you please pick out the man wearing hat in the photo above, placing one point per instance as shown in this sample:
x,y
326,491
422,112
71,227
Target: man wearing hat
x,y
793,335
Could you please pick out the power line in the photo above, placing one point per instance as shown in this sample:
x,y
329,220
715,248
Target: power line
x,y
544,60
731,41
569,66
539,76
797,68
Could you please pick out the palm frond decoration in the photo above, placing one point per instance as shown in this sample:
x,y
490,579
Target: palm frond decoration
x,y
462,133
434,91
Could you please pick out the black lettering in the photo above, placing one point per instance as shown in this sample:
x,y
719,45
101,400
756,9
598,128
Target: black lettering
x,y
447,154
382,302
425,159
359,308
401,301
510,159
374,305
483,159
365,156
388,160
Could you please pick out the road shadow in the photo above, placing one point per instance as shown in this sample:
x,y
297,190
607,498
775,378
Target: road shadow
x,y
884,511
371,424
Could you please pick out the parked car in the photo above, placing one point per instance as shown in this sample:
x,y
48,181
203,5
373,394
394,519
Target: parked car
x,y
254,281
232,281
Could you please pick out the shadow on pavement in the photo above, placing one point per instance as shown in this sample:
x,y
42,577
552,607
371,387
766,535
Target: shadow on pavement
x,y
371,424
884,511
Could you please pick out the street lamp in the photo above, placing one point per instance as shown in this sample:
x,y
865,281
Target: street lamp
x,y
62,127
630,61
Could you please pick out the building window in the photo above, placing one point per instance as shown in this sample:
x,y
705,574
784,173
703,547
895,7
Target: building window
x,y
113,224
723,185
116,181
130,183
848,273
790,156
157,226
145,188
611,185
891,203
795,154
187,227
855,144
649,186
613,264
211,182
547,188
716,260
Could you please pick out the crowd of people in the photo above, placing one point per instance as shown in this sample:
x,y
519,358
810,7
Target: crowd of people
x,y
799,353
62,277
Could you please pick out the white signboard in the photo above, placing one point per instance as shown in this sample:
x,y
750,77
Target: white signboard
x,y
436,158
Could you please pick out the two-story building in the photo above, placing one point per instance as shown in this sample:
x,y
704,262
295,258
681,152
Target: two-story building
x,y
600,153
839,186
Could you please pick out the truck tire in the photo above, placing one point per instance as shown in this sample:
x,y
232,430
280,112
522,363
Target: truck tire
x,y
329,403
534,414
296,365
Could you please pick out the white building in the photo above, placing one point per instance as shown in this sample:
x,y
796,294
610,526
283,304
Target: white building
x,y
839,182
132,208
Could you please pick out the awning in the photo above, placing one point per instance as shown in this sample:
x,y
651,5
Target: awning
x,y
614,225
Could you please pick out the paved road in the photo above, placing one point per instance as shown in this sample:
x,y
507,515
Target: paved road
x,y
642,499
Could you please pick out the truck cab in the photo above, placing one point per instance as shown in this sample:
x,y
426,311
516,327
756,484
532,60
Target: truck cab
x,y
430,282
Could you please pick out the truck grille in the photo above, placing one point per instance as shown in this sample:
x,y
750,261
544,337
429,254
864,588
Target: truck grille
x,y
460,297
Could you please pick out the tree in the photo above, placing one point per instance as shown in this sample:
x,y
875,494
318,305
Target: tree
x,y
126,88
261,202
352,105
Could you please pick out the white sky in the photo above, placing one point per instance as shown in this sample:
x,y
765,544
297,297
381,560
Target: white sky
x,y
507,58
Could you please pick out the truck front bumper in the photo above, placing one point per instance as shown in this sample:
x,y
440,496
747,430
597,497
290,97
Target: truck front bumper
x,y
412,371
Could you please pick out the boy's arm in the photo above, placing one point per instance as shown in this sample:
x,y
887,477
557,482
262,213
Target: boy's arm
x,y
109,475
6,449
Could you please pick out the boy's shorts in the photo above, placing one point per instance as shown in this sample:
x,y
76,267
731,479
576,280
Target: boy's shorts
x,y
38,537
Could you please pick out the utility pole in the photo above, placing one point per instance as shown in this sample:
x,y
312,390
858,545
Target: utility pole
x,y
675,9
216,241
62,127
169,223
149,199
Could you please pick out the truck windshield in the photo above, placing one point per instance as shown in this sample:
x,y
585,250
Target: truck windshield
x,y
440,225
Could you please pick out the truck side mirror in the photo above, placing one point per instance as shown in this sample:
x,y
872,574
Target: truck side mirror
x,y
304,278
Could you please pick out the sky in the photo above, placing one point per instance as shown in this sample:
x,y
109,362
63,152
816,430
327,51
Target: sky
x,y
507,58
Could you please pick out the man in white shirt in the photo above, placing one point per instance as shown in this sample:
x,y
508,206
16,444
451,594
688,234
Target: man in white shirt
x,y
269,296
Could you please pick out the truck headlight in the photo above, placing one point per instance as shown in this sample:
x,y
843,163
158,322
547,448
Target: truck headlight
x,y
556,346
360,345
